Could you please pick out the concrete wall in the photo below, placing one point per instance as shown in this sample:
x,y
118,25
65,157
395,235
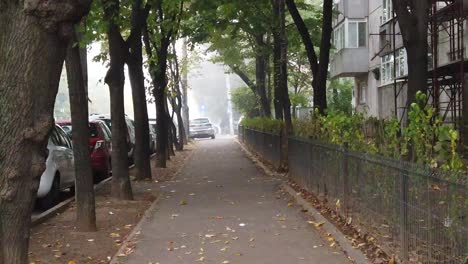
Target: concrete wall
x,y
349,61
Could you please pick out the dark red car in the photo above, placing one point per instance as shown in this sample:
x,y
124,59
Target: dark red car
x,y
99,145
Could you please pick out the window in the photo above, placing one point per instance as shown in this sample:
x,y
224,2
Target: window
x,y
390,67
362,91
357,34
387,10
350,34
339,37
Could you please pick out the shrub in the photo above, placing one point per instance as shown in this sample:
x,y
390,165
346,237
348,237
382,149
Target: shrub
x,y
263,124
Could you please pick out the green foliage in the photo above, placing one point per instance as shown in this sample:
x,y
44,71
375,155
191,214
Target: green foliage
x,y
245,101
431,141
300,99
340,95
268,125
426,140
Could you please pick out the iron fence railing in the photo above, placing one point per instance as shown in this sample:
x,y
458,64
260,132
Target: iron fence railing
x,y
267,145
412,211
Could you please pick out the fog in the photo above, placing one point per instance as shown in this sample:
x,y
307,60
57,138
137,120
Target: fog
x,y
209,86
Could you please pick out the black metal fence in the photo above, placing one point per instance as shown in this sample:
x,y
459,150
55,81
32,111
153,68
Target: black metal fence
x,y
411,210
267,145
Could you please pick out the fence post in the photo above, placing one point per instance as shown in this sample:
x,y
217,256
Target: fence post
x,y
346,196
404,239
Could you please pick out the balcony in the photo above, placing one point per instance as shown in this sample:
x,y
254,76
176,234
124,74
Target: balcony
x,y
349,62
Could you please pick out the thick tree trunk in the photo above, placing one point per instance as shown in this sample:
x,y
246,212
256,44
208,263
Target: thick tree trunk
x,y
115,79
414,31
184,84
278,100
31,60
84,184
161,117
260,74
137,81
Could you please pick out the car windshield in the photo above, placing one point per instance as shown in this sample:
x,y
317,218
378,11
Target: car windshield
x,y
200,121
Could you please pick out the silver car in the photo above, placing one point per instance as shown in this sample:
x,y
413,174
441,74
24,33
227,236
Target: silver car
x,y
201,128
60,169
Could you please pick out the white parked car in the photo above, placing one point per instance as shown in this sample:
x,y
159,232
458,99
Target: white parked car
x,y
60,169
201,128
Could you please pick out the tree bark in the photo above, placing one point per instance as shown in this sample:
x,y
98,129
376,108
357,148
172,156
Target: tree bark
x,y
414,31
178,103
32,52
319,68
260,74
137,81
170,139
184,84
278,100
159,92
115,79
84,184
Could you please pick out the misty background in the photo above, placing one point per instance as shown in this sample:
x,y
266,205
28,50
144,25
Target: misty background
x,y
209,84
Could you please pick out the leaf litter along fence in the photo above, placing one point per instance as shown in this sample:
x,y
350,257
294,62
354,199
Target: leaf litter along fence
x,y
411,210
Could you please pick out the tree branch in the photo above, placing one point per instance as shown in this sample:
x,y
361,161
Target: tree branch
x,y
304,32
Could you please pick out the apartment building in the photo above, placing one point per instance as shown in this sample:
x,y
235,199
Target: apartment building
x,y
369,48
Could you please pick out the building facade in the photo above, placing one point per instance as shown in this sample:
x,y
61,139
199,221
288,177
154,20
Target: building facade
x,y
369,48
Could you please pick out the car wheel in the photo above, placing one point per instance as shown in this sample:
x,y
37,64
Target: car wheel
x,y
213,137
53,196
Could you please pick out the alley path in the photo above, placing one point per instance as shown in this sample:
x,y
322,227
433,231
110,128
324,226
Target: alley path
x,y
222,209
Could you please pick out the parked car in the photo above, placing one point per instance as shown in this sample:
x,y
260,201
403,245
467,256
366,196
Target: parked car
x,y
201,128
60,169
130,132
99,144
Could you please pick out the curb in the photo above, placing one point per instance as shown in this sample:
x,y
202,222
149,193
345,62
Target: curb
x,y
59,208
354,254
62,206
135,232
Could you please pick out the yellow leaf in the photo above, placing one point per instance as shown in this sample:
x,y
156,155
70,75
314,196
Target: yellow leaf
x,y
435,187
290,204
183,202
71,262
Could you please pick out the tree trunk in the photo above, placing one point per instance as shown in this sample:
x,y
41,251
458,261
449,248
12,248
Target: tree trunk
x,y
32,51
177,106
320,99
115,79
319,71
184,84
283,79
413,27
277,64
84,184
260,74
161,117
137,81
171,139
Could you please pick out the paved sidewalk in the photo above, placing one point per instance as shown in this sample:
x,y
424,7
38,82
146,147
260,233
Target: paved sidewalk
x,y
223,209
